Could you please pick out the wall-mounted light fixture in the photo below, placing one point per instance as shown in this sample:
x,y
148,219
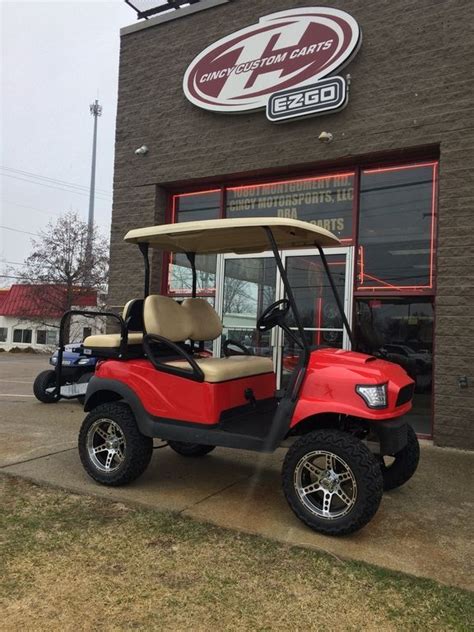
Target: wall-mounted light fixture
x,y
325,137
141,151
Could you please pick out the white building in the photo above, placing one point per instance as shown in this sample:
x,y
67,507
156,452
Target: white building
x,y
30,318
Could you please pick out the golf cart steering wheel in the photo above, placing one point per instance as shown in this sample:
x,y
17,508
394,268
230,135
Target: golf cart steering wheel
x,y
238,345
275,314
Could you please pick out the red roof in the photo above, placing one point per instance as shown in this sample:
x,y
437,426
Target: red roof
x,y
46,301
3,297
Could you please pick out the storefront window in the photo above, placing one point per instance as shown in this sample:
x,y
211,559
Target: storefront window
x,y
396,229
326,201
401,330
192,207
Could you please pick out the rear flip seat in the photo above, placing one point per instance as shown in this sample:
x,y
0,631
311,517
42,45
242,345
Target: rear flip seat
x,y
108,345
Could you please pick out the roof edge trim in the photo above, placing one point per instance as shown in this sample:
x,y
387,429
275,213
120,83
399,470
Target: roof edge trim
x,y
171,15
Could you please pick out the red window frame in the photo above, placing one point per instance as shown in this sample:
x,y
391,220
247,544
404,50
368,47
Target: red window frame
x,y
356,171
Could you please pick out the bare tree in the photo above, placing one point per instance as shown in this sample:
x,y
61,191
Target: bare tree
x,y
63,260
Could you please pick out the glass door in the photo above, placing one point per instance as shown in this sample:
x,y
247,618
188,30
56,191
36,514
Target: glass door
x,y
247,284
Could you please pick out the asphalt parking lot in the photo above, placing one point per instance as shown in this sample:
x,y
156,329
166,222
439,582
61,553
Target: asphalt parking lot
x,y
424,528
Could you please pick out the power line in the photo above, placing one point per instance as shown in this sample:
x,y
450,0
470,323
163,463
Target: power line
x,y
102,226
34,208
52,186
54,180
17,230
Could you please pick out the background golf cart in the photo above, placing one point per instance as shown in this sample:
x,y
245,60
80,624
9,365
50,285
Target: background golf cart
x,y
77,370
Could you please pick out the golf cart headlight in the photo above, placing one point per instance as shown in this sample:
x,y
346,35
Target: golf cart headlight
x,y
54,359
374,396
83,361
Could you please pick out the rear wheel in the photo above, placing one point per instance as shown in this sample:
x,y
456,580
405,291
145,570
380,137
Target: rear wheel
x,y
42,386
112,449
332,482
399,468
190,449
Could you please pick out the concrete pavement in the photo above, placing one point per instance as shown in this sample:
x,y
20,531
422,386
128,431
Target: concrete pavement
x,y
425,528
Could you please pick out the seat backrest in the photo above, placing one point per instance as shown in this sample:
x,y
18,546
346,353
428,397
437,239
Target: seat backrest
x,y
193,319
133,313
205,322
165,317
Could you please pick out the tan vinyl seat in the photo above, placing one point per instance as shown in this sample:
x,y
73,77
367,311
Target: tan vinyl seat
x,y
196,319
111,341
232,368
131,312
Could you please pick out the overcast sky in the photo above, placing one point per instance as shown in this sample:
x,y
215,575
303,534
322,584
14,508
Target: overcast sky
x,y
56,58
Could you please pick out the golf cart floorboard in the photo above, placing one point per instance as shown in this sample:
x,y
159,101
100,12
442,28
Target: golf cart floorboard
x,y
247,427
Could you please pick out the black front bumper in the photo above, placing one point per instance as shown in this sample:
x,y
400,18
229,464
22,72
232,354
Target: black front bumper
x,y
392,435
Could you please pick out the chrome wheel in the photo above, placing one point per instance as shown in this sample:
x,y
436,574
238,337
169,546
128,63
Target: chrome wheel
x,y
325,484
106,445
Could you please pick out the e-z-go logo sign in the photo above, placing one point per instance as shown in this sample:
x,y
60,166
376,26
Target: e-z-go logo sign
x,y
266,65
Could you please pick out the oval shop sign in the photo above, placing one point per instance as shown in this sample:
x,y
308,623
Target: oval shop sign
x,y
285,50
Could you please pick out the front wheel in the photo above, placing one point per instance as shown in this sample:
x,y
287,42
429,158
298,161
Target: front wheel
x,y
399,468
332,482
112,449
44,385
190,449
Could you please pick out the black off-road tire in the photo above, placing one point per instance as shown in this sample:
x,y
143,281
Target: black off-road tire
x,y
190,449
46,379
365,469
138,449
404,465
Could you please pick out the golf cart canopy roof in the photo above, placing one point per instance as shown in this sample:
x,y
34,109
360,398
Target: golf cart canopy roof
x,y
232,235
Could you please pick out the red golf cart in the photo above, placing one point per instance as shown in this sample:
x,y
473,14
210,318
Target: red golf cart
x,y
340,415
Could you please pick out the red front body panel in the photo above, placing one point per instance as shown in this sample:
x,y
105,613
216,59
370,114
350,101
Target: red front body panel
x,y
331,378
174,397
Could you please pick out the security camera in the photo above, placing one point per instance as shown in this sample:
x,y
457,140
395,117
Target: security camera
x,y
325,137
141,151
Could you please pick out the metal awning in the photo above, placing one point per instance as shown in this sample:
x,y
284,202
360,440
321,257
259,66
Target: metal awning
x,y
240,236
147,8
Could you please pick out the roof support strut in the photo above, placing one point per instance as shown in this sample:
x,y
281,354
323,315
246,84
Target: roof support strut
x,y
144,250
192,260
337,298
289,293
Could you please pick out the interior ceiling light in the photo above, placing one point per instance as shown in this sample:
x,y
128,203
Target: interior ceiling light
x,y
418,251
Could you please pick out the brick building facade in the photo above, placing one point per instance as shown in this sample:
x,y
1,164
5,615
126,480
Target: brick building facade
x,y
410,108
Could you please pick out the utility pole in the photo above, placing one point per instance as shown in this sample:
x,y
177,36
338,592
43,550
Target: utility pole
x,y
96,111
